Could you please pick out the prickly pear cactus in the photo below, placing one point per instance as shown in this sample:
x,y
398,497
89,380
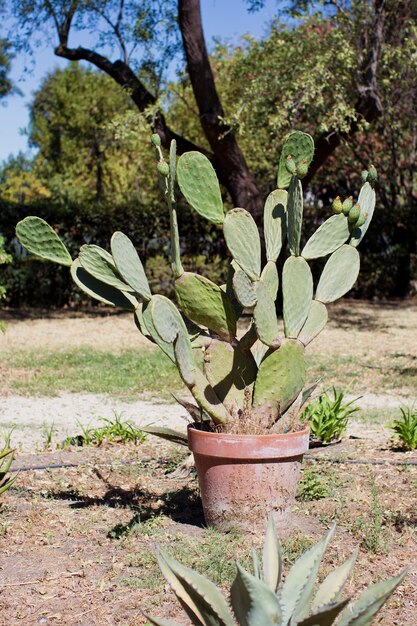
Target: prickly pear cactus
x,y
253,378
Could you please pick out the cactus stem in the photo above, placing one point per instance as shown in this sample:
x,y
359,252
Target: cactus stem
x,y
176,264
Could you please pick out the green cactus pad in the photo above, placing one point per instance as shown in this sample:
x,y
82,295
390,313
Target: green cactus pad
x,y
229,371
165,346
339,274
140,322
333,233
244,289
366,201
206,304
294,215
297,292
270,278
39,238
275,222
100,264
166,318
242,238
208,400
129,265
281,377
265,317
200,187
315,322
185,359
99,290
300,146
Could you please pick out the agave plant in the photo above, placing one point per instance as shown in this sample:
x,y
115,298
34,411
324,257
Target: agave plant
x,y
6,460
258,378
263,599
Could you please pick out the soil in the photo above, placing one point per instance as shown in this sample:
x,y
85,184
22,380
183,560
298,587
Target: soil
x,y
76,542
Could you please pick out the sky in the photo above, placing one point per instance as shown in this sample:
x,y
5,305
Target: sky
x,y
221,18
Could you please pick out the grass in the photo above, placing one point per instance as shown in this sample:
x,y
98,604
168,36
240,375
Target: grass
x,y
84,370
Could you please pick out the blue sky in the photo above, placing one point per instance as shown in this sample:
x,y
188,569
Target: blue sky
x,y
221,18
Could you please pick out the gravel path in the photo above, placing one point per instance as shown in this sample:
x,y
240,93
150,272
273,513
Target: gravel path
x,y
27,416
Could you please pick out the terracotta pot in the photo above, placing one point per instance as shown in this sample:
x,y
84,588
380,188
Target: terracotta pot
x,y
243,478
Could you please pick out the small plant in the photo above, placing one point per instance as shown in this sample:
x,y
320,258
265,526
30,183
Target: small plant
x,y
311,486
329,416
48,431
263,599
6,460
372,530
405,429
114,430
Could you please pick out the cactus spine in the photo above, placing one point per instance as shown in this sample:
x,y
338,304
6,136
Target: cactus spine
x,y
260,375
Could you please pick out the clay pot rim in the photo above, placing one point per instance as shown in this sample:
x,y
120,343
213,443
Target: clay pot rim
x,y
243,438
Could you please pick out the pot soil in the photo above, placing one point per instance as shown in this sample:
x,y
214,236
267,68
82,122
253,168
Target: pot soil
x,y
244,478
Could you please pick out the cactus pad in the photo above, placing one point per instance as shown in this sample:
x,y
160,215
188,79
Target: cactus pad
x,y
275,222
300,146
165,346
366,202
339,274
242,238
281,377
315,322
207,398
229,371
99,290
270,278
166,318
129,265
244,289
100,264
294,215
39,238
297,291
184,359
265,316
333,233
206,304
200,187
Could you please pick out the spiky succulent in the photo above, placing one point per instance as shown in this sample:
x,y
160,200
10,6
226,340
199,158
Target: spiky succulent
x,y
263,599
6,459
259,374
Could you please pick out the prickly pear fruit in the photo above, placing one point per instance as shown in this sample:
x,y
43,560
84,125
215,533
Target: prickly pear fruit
x,y
354,214
163,168
290,165
337,205
302,169
156,140
364,175
361,220
347,205
372,175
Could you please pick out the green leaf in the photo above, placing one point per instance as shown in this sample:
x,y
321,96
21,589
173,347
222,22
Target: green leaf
x,y
332,586
129,265
39,238
253,603
272,557
163,432
200,187
99,290
326,616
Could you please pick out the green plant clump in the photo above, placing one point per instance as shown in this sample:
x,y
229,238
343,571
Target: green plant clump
x,y
6,460
405,429
261,598
328,417
255,383
112,431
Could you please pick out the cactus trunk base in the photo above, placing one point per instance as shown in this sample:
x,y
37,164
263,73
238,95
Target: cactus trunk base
x,y
244,478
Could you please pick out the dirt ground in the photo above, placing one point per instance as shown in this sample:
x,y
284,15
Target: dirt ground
x,y
77,542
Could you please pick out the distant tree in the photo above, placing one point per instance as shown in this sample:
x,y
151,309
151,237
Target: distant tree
x,y
148,33
6,85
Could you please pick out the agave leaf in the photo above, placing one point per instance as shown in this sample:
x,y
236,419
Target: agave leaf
x,y
256,564
8,484
298,588
362,612
332,586
272,557
326,616
175,436
253,602
99,290
200,598
160,622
